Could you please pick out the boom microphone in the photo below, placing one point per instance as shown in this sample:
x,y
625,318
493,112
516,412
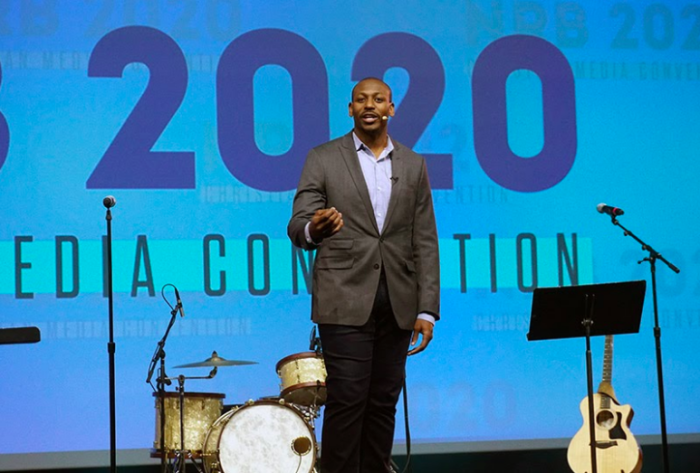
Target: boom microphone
x,y
384,118
179,303
607,209
312,339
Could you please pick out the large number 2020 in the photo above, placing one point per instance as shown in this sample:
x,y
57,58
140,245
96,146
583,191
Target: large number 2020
x,y
4,133
235,108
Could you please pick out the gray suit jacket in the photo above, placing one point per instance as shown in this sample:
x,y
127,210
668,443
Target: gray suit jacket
x,y
347,266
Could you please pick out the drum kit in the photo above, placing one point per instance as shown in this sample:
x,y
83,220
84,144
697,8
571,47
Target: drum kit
x,y
270,434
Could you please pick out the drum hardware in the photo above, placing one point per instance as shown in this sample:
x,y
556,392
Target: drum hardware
x,y
309,413
204,408
275,433
197,412
158,359
199,426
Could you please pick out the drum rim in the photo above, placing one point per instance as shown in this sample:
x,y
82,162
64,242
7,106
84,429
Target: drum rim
x,y
296,387
297,356
223,418
191,394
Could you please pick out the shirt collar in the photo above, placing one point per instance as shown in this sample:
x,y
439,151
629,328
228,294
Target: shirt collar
x,y
359,144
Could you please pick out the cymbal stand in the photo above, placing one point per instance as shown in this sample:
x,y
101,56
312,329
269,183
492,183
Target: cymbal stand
x,y
182,455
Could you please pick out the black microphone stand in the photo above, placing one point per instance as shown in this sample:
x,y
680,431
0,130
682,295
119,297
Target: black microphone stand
x,y
653,256
111,347
162,380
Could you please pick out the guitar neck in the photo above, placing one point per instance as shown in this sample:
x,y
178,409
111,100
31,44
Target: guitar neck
x,y
605,386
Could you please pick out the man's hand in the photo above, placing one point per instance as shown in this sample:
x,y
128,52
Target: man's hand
x,y
424,328
325,223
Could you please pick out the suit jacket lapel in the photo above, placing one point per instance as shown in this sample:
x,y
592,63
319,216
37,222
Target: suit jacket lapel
x,y
398,179
349,153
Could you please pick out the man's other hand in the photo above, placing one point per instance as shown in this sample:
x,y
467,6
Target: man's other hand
x,y
424,328
325,223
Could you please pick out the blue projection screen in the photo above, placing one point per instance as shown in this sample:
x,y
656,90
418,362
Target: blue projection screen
x,y
197,116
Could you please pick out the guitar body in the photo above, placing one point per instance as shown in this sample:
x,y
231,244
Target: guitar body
x,y
617,450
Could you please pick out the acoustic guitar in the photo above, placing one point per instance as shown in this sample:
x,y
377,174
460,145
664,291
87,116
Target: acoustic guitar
x,y
617,450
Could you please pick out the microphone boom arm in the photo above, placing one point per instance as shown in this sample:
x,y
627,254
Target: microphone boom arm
x,y
645,247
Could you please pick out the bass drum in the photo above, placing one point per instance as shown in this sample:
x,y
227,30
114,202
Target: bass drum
x,y
262,436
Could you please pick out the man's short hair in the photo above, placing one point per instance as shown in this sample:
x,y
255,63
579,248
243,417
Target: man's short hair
x,y
352,94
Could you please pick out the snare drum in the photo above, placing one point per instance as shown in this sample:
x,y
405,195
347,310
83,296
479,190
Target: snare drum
x,y
200,412
262,436
303,378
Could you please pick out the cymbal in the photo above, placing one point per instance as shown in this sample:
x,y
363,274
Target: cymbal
x,y
216,360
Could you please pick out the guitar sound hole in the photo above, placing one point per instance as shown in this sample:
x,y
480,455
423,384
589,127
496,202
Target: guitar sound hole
x,y
606,419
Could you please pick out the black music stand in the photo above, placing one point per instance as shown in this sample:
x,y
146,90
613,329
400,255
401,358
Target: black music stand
x,y
590,310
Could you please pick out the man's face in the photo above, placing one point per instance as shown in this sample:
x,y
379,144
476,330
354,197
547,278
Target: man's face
x,y
371,100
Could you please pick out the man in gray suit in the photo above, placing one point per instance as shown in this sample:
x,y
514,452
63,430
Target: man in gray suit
x,y
364,202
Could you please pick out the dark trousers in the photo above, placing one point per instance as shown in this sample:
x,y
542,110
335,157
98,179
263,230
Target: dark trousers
x,y
366,367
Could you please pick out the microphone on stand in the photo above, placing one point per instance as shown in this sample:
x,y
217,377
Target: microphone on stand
x,y
607,209
179,303
312,339
314,342
109,201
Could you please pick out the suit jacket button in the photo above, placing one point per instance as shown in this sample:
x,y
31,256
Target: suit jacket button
x,y
376,266
381,239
